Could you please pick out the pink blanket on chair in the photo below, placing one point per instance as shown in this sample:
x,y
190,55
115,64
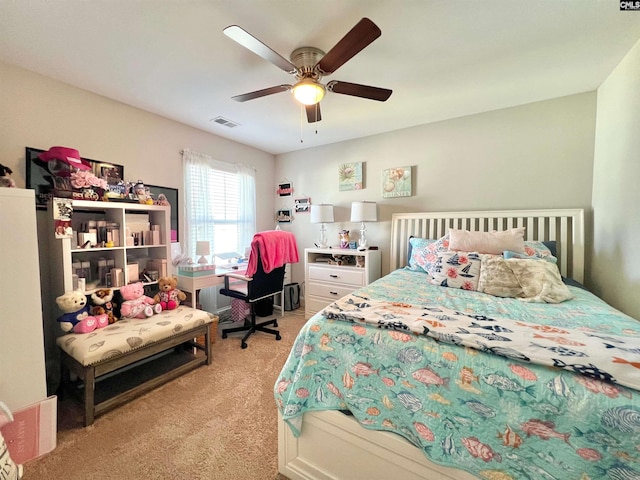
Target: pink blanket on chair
x,y
276,247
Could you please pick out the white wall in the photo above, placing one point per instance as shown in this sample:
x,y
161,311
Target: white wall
x,y
616,193
534,156
40,112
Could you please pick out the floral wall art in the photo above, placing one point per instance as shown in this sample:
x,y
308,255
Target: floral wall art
x,y
396,182
350,176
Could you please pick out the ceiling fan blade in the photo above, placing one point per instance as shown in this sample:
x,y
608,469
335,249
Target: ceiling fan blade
x,y
353,42
261,93
248,41
313,113
357,90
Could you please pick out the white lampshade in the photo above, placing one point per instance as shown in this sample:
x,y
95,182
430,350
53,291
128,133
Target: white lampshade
x,y
364,212
322,213
202,249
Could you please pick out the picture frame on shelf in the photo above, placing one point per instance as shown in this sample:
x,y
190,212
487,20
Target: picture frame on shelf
x,y
172,197
41,179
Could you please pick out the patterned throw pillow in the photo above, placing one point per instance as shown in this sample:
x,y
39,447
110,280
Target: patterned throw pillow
x,y
457,270
539,250
424,252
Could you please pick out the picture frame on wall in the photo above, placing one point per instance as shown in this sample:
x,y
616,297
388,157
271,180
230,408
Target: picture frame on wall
x,y
350,176
283,216
396,182
302,205
285,189
40,175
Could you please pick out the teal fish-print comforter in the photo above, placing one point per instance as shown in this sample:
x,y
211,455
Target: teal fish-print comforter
x,y
496,417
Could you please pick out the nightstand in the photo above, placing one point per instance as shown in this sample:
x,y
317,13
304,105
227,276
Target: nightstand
x,y
326,283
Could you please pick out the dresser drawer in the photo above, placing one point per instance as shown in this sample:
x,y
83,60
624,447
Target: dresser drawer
x,y
350,276
330,292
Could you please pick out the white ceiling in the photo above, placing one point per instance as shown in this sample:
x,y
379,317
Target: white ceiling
x,y
441,58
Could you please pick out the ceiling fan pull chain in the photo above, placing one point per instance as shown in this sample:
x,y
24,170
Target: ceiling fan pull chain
x,y
302,110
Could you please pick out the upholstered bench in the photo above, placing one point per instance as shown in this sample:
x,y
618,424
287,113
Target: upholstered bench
x,y
139,355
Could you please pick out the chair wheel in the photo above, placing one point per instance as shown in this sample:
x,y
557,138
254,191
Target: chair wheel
x,y
244,345
278,337
224,335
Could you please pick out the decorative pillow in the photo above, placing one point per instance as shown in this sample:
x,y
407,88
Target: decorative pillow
x,y
541,250
530,255
540,281
424,253
497,279
457,270
487,242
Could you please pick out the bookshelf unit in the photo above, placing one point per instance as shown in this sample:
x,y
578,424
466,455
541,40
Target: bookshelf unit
x,y
64,253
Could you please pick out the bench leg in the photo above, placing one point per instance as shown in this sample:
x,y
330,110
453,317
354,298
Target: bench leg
x,y
207,344
89,392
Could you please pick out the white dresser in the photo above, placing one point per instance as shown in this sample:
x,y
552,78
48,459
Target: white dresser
x,y
325,283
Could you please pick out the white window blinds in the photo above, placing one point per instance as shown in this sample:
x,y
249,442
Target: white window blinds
x,y
219,204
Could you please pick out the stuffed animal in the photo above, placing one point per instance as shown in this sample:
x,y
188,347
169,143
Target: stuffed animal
x,y
5,179
102,302
136,304
76,316
169,297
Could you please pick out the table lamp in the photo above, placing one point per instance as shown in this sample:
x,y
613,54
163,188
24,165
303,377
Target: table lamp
x,y
202,249
363,212
322,214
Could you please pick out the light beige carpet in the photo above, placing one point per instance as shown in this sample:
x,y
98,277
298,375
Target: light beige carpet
x,y
216,422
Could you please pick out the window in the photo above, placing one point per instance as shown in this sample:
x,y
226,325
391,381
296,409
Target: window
x,y
220,204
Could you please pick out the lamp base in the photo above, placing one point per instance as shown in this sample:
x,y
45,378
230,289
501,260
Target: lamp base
x,y
203,260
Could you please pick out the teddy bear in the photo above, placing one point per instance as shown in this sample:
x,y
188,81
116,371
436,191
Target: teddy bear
x,y
136,304
169,297
76,317
102,302
5,178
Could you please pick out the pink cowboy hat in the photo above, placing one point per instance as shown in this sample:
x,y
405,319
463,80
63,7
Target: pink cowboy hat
x,y
70,156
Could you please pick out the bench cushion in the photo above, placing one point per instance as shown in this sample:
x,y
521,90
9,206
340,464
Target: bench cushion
x,y
130,334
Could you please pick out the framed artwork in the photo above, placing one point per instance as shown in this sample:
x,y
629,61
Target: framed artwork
x,y
350,176
40,175
396,182
283,216
302,205
285,189
172,197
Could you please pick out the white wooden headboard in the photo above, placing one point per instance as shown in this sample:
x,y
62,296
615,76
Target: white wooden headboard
x,y
565,227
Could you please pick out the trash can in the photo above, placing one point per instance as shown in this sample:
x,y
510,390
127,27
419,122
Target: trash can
x,y
291,296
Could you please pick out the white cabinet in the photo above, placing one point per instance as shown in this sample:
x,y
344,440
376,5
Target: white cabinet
x,y
325,283
66,254
22,367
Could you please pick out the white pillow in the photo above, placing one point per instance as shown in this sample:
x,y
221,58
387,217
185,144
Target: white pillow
x,y
487,242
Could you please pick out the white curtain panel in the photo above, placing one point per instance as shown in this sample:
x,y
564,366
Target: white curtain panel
x,y
213,191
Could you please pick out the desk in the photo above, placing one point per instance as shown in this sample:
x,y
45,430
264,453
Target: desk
x,y
193,285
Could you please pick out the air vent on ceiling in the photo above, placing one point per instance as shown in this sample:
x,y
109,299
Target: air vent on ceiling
x,y
225,121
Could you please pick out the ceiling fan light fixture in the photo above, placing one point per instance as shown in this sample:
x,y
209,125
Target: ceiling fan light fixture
x,y
308,91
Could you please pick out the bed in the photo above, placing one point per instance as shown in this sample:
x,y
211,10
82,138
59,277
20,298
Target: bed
x,y
379,400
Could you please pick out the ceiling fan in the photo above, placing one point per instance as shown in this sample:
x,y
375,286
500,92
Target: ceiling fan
x,y
310,64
